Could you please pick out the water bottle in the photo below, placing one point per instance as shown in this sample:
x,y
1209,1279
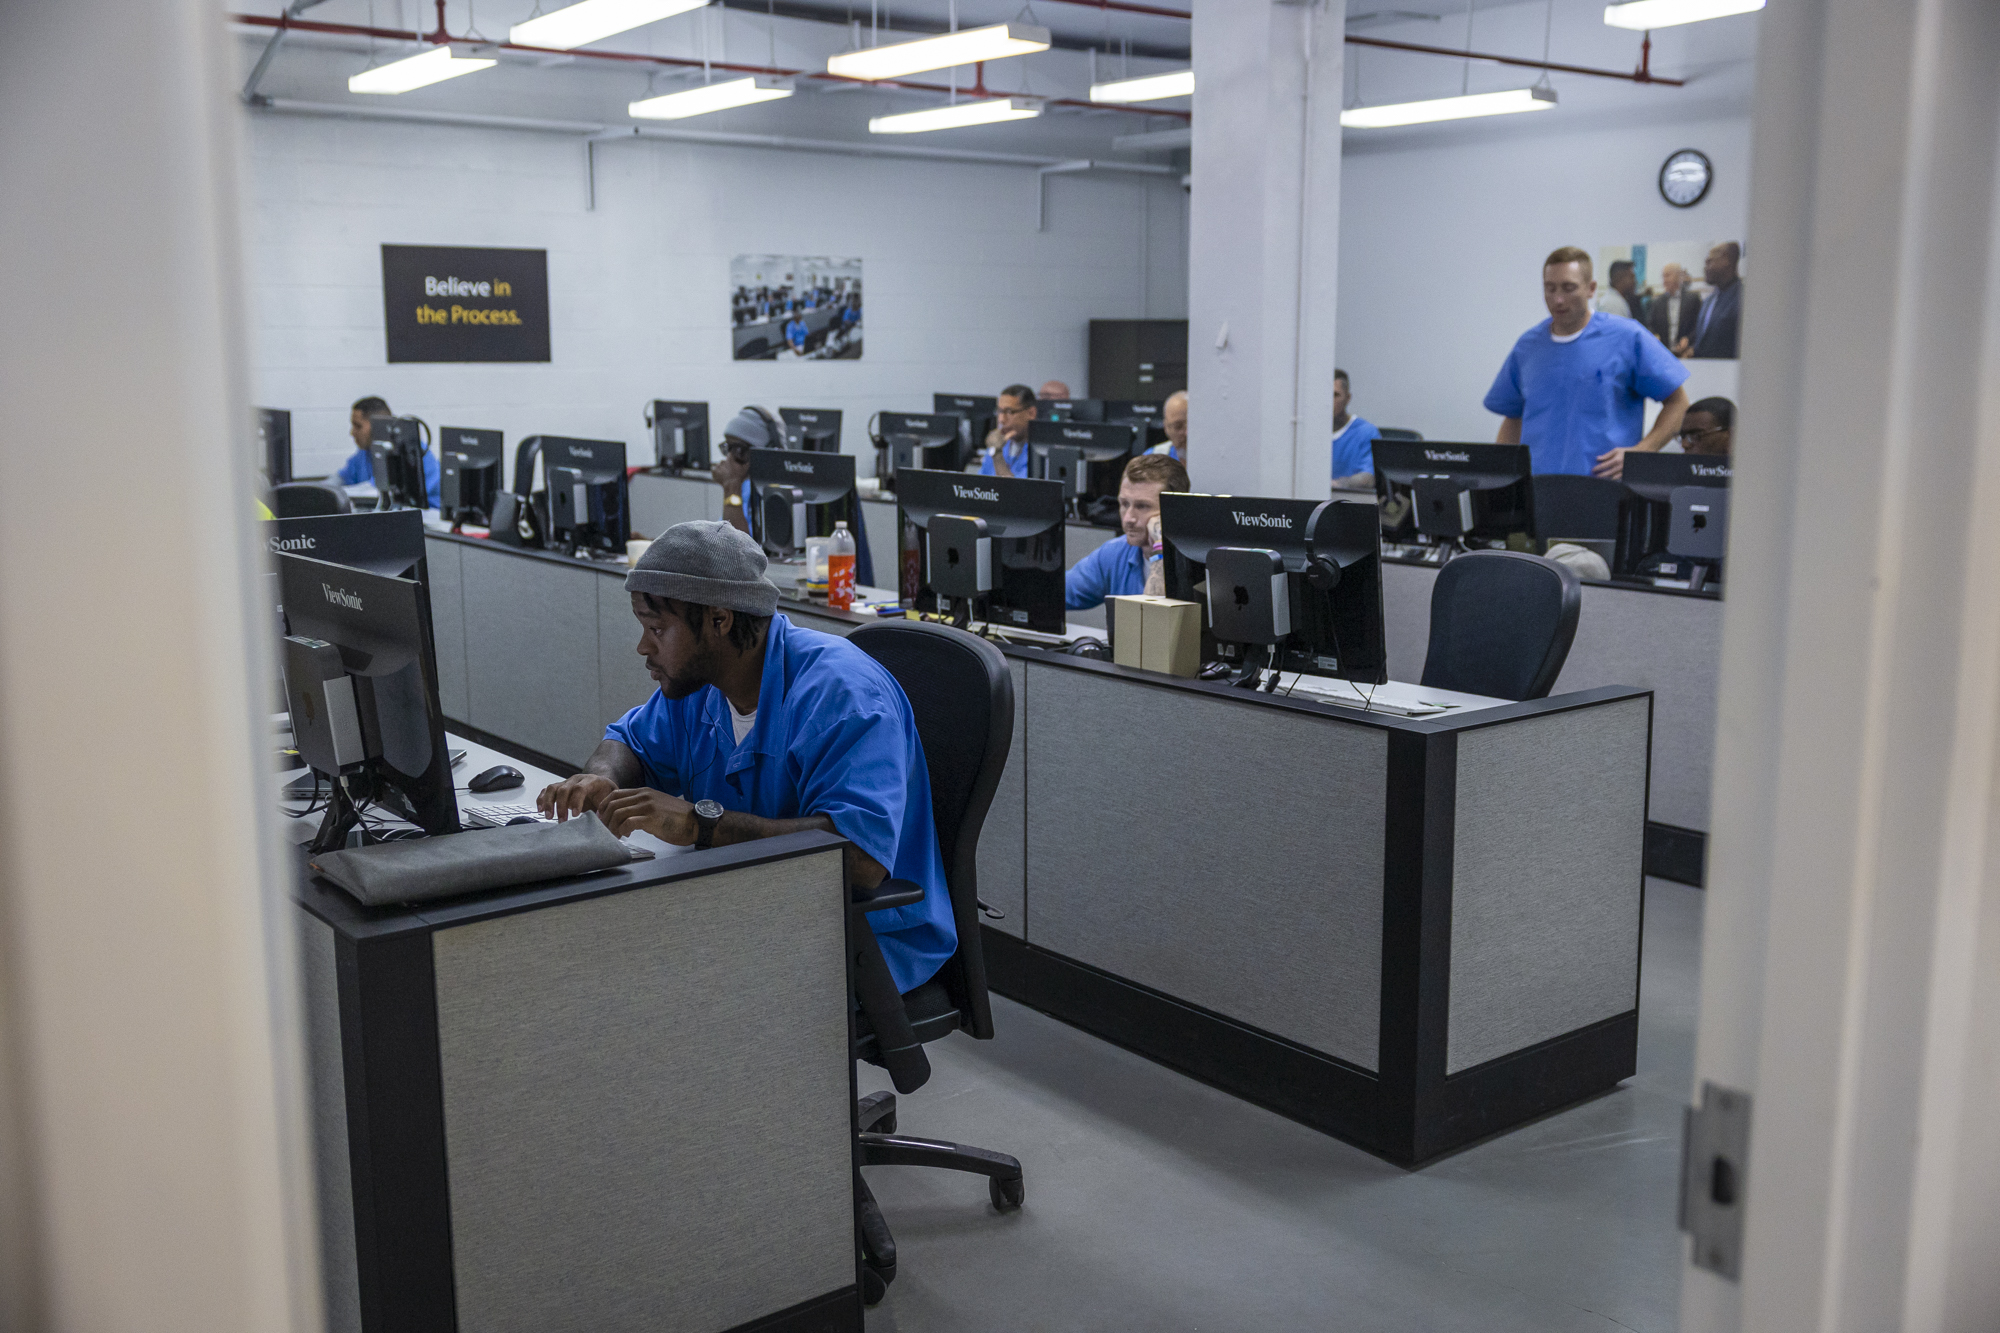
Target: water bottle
x,y
840,569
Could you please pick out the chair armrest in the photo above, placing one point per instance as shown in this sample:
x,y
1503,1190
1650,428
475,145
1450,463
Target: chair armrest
x,y
889,893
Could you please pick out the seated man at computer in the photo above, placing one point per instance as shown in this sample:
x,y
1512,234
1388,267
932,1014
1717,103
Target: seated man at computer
x,y
1708,427
1118,568
1173,420
359,469
1353,441
752,428
1007,447
760,728
796,332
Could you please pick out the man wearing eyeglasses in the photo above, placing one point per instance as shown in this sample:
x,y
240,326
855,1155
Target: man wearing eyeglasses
x,y
1708,427
1008,456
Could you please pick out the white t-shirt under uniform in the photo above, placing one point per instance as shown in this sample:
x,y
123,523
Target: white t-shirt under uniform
x,y
740,723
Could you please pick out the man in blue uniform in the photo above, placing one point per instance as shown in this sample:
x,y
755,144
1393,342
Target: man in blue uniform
x,y
1173,420
1353,441
1007,454
783,729
1574,388
796,333
359,469
1118,568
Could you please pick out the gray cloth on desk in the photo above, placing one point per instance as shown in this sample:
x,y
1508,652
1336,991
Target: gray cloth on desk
x,y
424,868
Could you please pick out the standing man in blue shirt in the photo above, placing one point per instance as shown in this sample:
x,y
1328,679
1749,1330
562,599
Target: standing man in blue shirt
x,y
1118,568
359,469
1353,441
1574,388
760,728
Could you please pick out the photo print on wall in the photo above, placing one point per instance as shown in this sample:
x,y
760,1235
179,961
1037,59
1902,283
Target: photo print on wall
x,y
1689,293
795,308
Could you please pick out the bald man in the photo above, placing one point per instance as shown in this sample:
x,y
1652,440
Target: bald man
x,y
1673,313
1173,420
1715,327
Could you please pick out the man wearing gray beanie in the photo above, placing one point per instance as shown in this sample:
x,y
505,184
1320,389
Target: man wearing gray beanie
x,y
760,728
752,428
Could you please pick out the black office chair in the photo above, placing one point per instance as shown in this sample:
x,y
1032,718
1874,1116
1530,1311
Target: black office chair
x,y
310,499
1576,508
963,697
1397,433
1501,624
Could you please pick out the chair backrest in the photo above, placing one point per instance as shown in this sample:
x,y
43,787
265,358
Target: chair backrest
x,y
1501,624
1576,508
1398,433
963,697
310,499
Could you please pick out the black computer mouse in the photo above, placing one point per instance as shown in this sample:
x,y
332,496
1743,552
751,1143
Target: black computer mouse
x,y
498,778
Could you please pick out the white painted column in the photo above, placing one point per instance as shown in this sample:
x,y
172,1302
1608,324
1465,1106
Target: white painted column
x,y
1851,970
151,1171
1263,244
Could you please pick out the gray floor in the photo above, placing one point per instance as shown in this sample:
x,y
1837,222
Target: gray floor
x,y
1155,1202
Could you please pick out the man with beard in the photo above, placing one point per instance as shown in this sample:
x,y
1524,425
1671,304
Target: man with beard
x,y
760,728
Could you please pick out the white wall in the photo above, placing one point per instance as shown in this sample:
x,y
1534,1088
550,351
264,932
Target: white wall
x,y
962,294
1441,245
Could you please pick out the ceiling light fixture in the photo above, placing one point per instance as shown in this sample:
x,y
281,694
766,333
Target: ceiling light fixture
x,y
593,20
942,52
1448,108
417,71
956,115
712,97
1644,14
1150,88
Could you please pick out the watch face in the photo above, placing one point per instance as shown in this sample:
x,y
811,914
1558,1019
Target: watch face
x,y
1685,177
708,809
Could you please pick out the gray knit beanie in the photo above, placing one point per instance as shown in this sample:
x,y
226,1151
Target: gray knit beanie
x,y
706,563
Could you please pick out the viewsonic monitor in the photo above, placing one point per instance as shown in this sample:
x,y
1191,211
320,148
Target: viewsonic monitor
x,y
1070,409
1023,526
469,463
814,429
799,495
1331,557
1102,448
979,413
396,450
589,502
680,434
361,686
917,441
1679,527
1451,493
388,543
1148,417
274,444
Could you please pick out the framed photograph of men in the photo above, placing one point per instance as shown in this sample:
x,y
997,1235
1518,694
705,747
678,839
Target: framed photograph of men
x,y
1689,293
795,308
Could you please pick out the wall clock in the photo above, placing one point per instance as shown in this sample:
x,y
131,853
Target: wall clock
x,y
1685,178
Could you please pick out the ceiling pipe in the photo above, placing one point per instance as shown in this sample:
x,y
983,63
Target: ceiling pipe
x,y
271,47
630,57
1643,74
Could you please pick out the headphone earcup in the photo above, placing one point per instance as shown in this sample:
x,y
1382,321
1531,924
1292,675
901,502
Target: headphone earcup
x,y
1322,573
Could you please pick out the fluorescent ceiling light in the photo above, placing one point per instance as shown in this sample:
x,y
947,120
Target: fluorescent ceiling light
x,y
417,71
1449,108
593,20
953,48
1151,88
712,97
1671,13
952,117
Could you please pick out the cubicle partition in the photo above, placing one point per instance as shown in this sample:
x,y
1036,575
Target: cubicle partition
x,y
1406,932
538,1108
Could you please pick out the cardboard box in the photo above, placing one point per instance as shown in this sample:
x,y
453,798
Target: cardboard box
x,y
1128,634
1171,636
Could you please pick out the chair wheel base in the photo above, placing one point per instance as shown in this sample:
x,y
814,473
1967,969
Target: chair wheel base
x,y
1006,1194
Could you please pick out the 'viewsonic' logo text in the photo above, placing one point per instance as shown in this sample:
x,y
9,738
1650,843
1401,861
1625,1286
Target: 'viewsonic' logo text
x,y
1261,520
974,493
341,597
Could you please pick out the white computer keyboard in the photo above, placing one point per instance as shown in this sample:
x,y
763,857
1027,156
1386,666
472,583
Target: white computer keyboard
x,y
498,816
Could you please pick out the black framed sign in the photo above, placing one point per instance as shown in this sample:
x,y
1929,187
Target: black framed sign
x,y
465,303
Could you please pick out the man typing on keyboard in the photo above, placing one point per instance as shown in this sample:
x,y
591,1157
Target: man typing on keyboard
x,y
760,728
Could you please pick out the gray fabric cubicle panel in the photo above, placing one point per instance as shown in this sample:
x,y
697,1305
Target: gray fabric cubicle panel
x,y
622,682
1002,839
1673,647
1270,913
1406,618
326,1082
660,502
1546,878
647,1110
531,652
881,518
442,559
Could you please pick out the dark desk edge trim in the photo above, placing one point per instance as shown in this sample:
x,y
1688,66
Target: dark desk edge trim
x,y
348,917
513,750
836,1312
